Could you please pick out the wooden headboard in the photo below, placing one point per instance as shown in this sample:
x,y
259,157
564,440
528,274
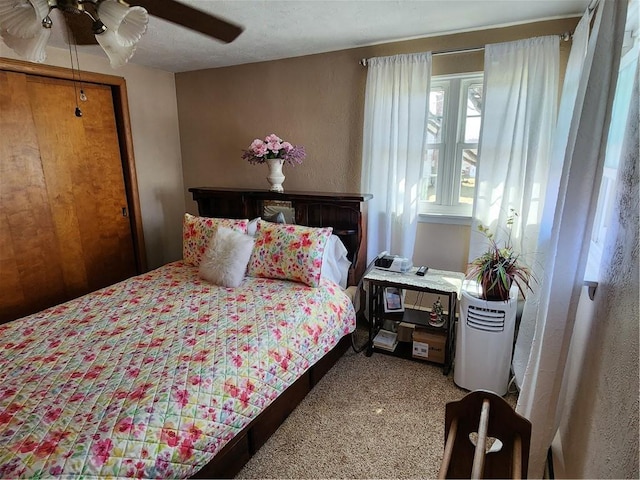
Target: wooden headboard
x,y
345,212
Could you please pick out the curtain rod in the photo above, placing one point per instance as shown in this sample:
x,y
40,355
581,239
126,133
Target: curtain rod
x,y
565,37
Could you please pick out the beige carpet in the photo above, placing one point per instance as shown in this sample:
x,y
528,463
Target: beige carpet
x,y
369,417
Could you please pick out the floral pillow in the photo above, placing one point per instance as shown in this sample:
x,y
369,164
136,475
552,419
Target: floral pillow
x,y
197,233
288,252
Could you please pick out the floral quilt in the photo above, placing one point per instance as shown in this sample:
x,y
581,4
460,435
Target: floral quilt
x,y
153,376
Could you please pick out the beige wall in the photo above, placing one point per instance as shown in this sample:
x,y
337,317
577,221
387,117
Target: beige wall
x,y
316,101
156,144
442,246
602,385
599,429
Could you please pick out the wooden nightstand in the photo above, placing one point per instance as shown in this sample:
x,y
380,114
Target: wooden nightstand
x,y
440,282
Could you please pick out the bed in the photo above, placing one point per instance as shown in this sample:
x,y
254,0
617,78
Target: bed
x,y
167,375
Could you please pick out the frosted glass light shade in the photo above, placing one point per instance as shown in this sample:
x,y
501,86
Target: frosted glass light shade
x,y
128,23
21,27
118,53
32,49
23,18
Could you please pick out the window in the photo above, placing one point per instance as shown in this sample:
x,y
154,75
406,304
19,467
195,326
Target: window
x,y
617,127
453,130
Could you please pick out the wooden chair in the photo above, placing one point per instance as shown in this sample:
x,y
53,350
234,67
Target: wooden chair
x,y
485,438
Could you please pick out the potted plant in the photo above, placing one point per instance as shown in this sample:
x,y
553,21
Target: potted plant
x,y
499,267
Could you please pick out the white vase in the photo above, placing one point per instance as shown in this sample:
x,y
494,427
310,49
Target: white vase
x,y
275,177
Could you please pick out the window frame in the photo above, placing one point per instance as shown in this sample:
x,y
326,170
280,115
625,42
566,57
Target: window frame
x,y
608,185
451,147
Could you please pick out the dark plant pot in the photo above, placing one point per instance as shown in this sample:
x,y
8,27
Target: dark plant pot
x,y
497,293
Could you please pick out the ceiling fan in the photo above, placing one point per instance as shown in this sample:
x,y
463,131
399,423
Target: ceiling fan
x,y
25,25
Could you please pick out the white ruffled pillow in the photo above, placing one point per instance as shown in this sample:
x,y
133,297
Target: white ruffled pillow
x,y
225,260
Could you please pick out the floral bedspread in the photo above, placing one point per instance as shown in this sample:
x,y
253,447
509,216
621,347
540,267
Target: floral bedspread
x,y
153,376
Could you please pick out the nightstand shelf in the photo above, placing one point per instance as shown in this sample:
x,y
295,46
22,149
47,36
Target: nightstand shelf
x,y
440,282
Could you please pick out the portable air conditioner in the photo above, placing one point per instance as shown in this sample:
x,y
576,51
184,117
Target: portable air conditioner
x,y
484,341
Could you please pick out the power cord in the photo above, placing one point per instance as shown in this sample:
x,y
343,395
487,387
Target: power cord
x,y
511,385
356,301
353,343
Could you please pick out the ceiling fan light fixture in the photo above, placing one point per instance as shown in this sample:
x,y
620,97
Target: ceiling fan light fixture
x,y
23,18
118,52
22,28
98,27
32,49
25,25
128,23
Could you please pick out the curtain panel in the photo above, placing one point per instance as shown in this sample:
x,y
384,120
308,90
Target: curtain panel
x,y
519,117
561,136
394,136
566,251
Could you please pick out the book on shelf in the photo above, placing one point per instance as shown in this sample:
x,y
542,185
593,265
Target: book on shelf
x,y
386,340
393,300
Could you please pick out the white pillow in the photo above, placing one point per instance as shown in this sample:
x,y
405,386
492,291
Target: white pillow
x,y
253,226
225,260
335,264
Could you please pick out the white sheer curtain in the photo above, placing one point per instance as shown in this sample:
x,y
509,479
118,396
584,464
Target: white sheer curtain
x,y
519,115
565,113
395,126
572,219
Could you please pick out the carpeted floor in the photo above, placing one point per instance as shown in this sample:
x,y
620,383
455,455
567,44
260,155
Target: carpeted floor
x,y
369,417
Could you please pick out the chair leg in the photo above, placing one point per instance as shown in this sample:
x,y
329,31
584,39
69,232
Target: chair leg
x,y
448,449
517,458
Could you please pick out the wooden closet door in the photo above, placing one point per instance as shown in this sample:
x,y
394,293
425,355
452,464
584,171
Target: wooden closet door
x,y
30,270
84,188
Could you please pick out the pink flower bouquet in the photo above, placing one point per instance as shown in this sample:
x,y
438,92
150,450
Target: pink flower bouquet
x,y
273,147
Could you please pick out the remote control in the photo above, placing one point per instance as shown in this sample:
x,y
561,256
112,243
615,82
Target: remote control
x,y
422,270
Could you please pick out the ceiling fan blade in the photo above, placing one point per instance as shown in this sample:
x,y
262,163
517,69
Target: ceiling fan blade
x,y
192,18
80,27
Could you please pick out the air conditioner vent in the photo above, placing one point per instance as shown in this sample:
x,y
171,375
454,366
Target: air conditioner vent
x,y
485,319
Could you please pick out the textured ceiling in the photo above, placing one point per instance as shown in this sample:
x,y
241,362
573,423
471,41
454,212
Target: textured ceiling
x,y
288,28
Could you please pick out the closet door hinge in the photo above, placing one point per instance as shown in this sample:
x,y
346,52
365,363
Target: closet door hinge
x,y
125,212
